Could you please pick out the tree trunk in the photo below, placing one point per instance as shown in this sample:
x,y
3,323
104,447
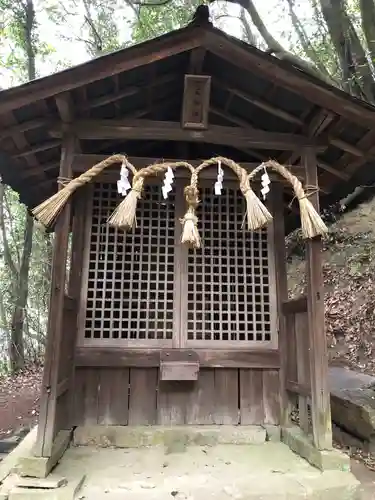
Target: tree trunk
x,y
16,348
356,73
367,8
16,351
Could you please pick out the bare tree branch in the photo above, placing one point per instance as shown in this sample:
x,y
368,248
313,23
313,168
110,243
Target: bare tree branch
x,y
250,37
304,40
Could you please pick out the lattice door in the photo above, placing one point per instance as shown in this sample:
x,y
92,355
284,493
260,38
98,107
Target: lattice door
x,y
145,290
228,289
130,282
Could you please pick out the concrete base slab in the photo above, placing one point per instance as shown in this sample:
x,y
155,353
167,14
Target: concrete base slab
x,y
67,492
10,462
298,442
270,471
40,467
173,438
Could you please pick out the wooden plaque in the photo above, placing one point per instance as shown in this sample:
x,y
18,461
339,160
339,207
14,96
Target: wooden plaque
x,y
196,102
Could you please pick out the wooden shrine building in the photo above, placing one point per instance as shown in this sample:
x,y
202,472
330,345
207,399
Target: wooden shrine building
x,y
143,330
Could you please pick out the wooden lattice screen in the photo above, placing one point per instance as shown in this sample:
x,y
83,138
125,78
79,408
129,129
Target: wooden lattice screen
x,y
228,281
131,276
144,290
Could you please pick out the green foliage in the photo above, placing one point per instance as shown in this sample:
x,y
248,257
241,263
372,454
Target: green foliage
x,y
154,21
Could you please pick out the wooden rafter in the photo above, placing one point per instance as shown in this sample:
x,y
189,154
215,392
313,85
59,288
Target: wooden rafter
x,y
97,69
84,109
20,128
29,151
285,158
171,131
317,125
251,59
288,117
259,103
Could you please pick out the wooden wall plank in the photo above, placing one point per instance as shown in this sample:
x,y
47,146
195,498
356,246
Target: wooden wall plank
x,y
271,397
172,402
302,356
201,404
113,397
291,349
251,397
91,386
226,397
78,414
142,396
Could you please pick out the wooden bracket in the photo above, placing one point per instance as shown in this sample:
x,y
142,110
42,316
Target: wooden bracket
x,y
176,364
196,102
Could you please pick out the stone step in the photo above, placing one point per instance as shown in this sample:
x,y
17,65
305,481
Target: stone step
x,y
174,439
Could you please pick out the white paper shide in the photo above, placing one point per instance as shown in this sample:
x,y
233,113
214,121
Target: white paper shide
x,y
168,181
123,185
219,181
265,184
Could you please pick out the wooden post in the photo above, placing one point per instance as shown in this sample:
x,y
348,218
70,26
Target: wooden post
x,y
278,233
318,356
49,393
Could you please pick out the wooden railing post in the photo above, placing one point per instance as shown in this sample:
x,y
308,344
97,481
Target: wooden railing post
x,y
318,357
49,394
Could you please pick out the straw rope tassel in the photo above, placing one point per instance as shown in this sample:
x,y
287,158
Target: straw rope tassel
x,y
257,213
124,215
48,211
311,223
190,235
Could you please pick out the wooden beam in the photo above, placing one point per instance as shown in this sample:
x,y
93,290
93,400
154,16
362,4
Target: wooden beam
x,y
251,59
219,358
171,131
65,107
318,356
196,62
99,68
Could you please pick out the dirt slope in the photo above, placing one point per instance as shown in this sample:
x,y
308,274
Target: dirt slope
x,y
349,280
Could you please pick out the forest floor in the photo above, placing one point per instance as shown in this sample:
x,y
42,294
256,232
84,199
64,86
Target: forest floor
x,y
19,401
349,283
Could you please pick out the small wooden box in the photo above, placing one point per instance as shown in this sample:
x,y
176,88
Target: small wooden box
x,y
177,364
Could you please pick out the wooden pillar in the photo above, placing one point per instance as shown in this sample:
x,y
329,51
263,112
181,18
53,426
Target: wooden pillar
x,y
50,389
318,356
278,231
